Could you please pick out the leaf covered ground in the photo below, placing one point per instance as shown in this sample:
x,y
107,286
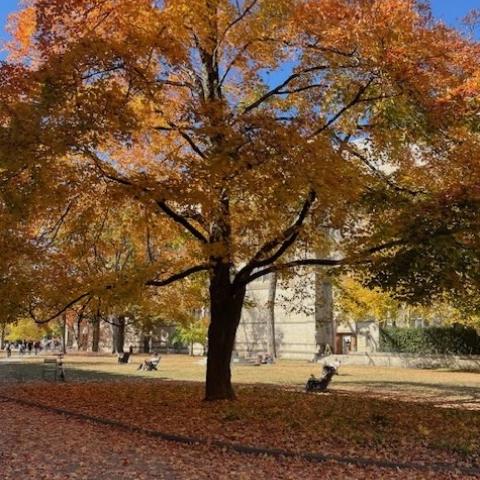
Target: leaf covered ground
x,y
343,424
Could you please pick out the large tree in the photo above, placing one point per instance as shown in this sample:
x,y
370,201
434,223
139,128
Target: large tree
x,y
255,126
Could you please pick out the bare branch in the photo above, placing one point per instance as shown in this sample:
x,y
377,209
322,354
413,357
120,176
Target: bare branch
x,y
96,73
174,128
315,46
192,144
153,283
234,60
57,226
172,83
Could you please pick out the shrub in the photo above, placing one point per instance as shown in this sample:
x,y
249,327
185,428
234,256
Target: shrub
x,y
434,340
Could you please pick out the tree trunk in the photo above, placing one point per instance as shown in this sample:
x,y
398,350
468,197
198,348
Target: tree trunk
x,y
272,289
118,333
77,333
96,334
3,327
64,333
120,337
146,344
113,327
225,311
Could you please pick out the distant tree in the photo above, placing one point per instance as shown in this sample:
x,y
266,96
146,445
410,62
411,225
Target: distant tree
x,y
27,329
358,302
193,331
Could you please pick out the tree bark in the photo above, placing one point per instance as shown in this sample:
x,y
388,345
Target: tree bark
x,y
3,327
114,330
120,336
272,289
77,332
146,344
226,303
64,333
96,334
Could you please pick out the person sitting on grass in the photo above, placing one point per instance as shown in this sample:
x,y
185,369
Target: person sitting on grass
x,y
151,363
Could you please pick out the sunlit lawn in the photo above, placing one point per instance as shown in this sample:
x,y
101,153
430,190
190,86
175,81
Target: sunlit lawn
x,y
444,386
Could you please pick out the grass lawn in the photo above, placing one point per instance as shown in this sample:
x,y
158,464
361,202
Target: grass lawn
x,y
442,387
360,418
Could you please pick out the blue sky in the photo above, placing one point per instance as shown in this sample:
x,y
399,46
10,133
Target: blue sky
x,y
450,11
6,7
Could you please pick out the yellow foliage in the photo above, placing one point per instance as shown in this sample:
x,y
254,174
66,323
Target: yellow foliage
x,y
26,329
361,303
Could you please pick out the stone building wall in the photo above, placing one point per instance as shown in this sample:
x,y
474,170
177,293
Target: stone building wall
x,y
295,320
305,322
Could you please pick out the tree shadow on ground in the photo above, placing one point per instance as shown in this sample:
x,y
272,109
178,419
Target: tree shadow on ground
x,y
35,371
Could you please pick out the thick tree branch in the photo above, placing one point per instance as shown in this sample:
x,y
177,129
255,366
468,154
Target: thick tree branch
x,y
284,241
291,78
279,87
325,262
355,100
181,220
178,276
234,22
359,258
177,217
88,295
59,312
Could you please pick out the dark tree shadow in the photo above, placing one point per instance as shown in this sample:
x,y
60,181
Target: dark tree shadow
x,y
34,371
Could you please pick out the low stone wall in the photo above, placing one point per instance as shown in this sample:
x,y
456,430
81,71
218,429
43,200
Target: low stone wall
x,y
407,360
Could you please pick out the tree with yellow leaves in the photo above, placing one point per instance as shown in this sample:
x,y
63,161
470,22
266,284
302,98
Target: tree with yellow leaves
x,y
254,126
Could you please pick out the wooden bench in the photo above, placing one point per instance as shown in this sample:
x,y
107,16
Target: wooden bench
x,y
54,366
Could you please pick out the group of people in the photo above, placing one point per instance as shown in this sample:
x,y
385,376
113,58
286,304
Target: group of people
x,y
29,347
23,347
